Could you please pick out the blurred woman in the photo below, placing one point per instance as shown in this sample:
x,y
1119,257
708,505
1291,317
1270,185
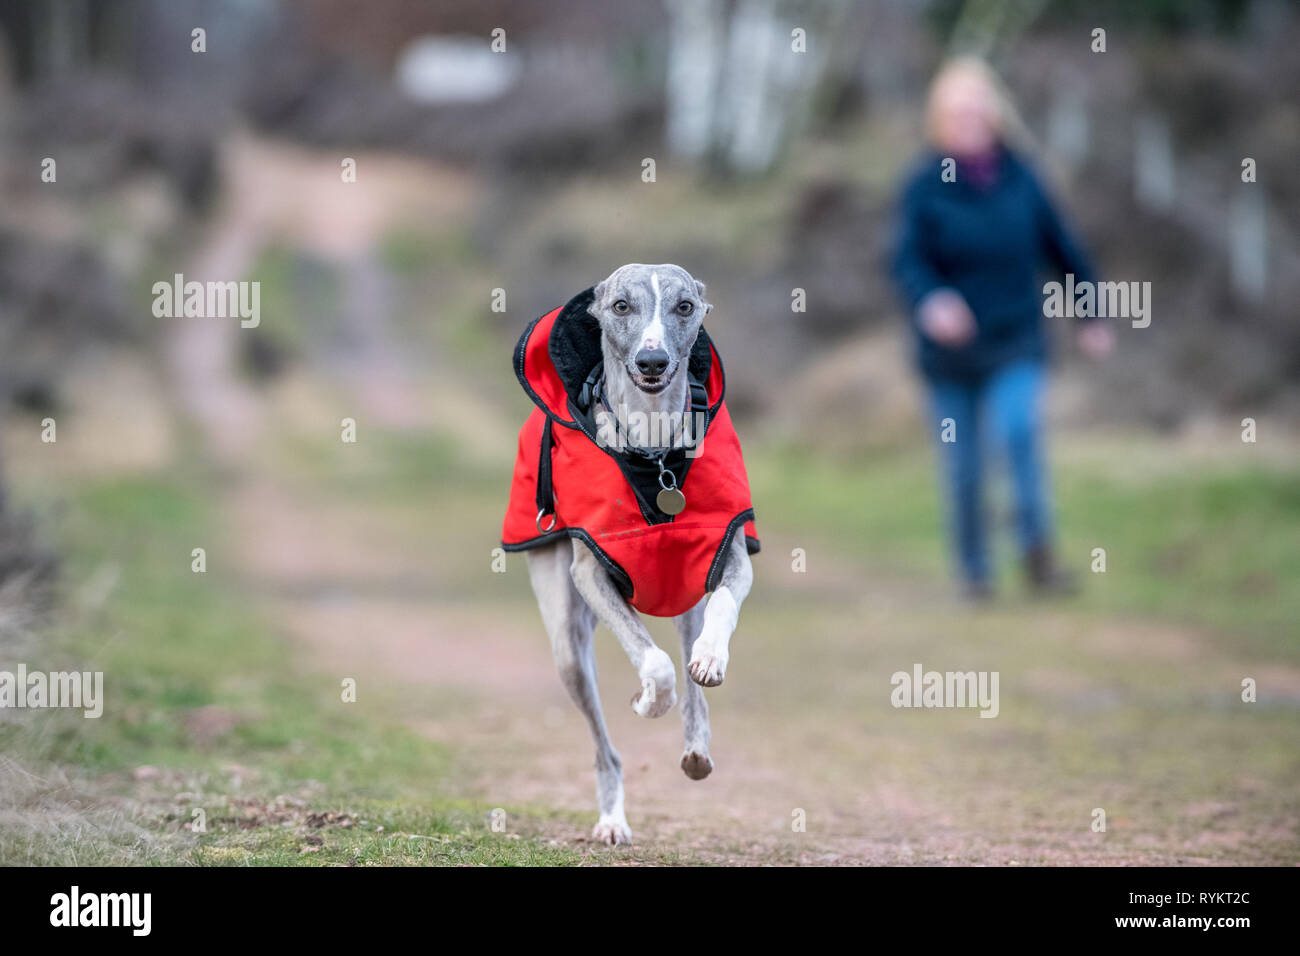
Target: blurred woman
x,y
975,233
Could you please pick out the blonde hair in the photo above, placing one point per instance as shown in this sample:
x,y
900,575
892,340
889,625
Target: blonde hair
x,y
1007,125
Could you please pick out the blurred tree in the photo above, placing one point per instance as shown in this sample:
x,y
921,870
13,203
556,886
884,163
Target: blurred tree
x,y
742,76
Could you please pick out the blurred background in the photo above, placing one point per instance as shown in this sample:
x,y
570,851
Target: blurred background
x,y
491,185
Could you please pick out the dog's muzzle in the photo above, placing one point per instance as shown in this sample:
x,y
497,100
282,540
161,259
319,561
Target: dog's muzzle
x,y
651,372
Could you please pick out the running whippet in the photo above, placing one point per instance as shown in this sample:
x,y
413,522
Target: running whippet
x,y
630,495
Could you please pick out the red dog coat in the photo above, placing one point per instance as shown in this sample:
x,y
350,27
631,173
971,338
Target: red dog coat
x,y
566,483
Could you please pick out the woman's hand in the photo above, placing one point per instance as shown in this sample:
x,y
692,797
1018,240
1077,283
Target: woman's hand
x,y
946,318
1096,338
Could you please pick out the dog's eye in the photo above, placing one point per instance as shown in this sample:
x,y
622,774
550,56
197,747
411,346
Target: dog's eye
x,y
621,307
685,307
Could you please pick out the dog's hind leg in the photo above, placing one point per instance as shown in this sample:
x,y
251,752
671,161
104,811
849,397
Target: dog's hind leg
x,y
569,623
695,709
710,653
658,690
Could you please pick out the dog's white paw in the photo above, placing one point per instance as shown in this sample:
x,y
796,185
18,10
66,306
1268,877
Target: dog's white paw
x,y
708,666
658,691
650,701
611,831
696,764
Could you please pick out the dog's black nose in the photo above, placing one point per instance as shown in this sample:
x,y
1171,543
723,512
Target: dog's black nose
x,y
652,361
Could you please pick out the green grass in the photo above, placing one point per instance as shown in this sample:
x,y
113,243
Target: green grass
x,y
1216,548
393,833
1220,550
175,645
408,252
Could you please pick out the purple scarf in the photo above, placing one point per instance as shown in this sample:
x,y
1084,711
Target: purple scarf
x,y
981,170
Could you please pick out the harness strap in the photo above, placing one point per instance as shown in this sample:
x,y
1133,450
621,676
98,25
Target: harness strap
x,y
545,487
593,391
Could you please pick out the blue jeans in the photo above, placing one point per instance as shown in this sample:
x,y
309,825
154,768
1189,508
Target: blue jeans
x,y
998,415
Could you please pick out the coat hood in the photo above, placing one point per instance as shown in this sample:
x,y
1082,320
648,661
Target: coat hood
x,y
557,352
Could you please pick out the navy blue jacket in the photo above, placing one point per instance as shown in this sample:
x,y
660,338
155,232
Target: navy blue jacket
x,y
993,246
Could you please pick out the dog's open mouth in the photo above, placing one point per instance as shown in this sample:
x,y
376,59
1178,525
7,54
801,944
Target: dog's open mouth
x,y
650,384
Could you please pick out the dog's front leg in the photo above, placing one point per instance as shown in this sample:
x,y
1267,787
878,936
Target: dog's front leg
x,y
710,654
695,709
658,691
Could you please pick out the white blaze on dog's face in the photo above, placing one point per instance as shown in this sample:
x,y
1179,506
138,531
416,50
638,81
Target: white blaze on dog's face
x,y
649,318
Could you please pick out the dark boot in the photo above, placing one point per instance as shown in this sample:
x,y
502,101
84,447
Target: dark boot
x,y
1045,577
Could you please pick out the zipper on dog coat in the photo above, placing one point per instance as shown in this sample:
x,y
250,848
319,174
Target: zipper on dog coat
x,y
566,482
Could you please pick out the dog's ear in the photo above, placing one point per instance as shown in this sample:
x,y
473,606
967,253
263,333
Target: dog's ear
x,y
597,294
699,290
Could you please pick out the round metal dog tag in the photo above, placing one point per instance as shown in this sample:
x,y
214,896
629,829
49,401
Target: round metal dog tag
x,y
671,501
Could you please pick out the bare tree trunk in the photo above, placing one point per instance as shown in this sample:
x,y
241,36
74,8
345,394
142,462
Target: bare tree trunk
x,y
738,88
1248,244
1153,164
1068,129
695,50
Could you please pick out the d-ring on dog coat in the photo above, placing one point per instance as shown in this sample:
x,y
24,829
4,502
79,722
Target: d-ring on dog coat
x,y
567,483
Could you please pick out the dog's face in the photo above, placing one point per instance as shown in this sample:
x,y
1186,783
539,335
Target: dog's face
x,y
649,317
